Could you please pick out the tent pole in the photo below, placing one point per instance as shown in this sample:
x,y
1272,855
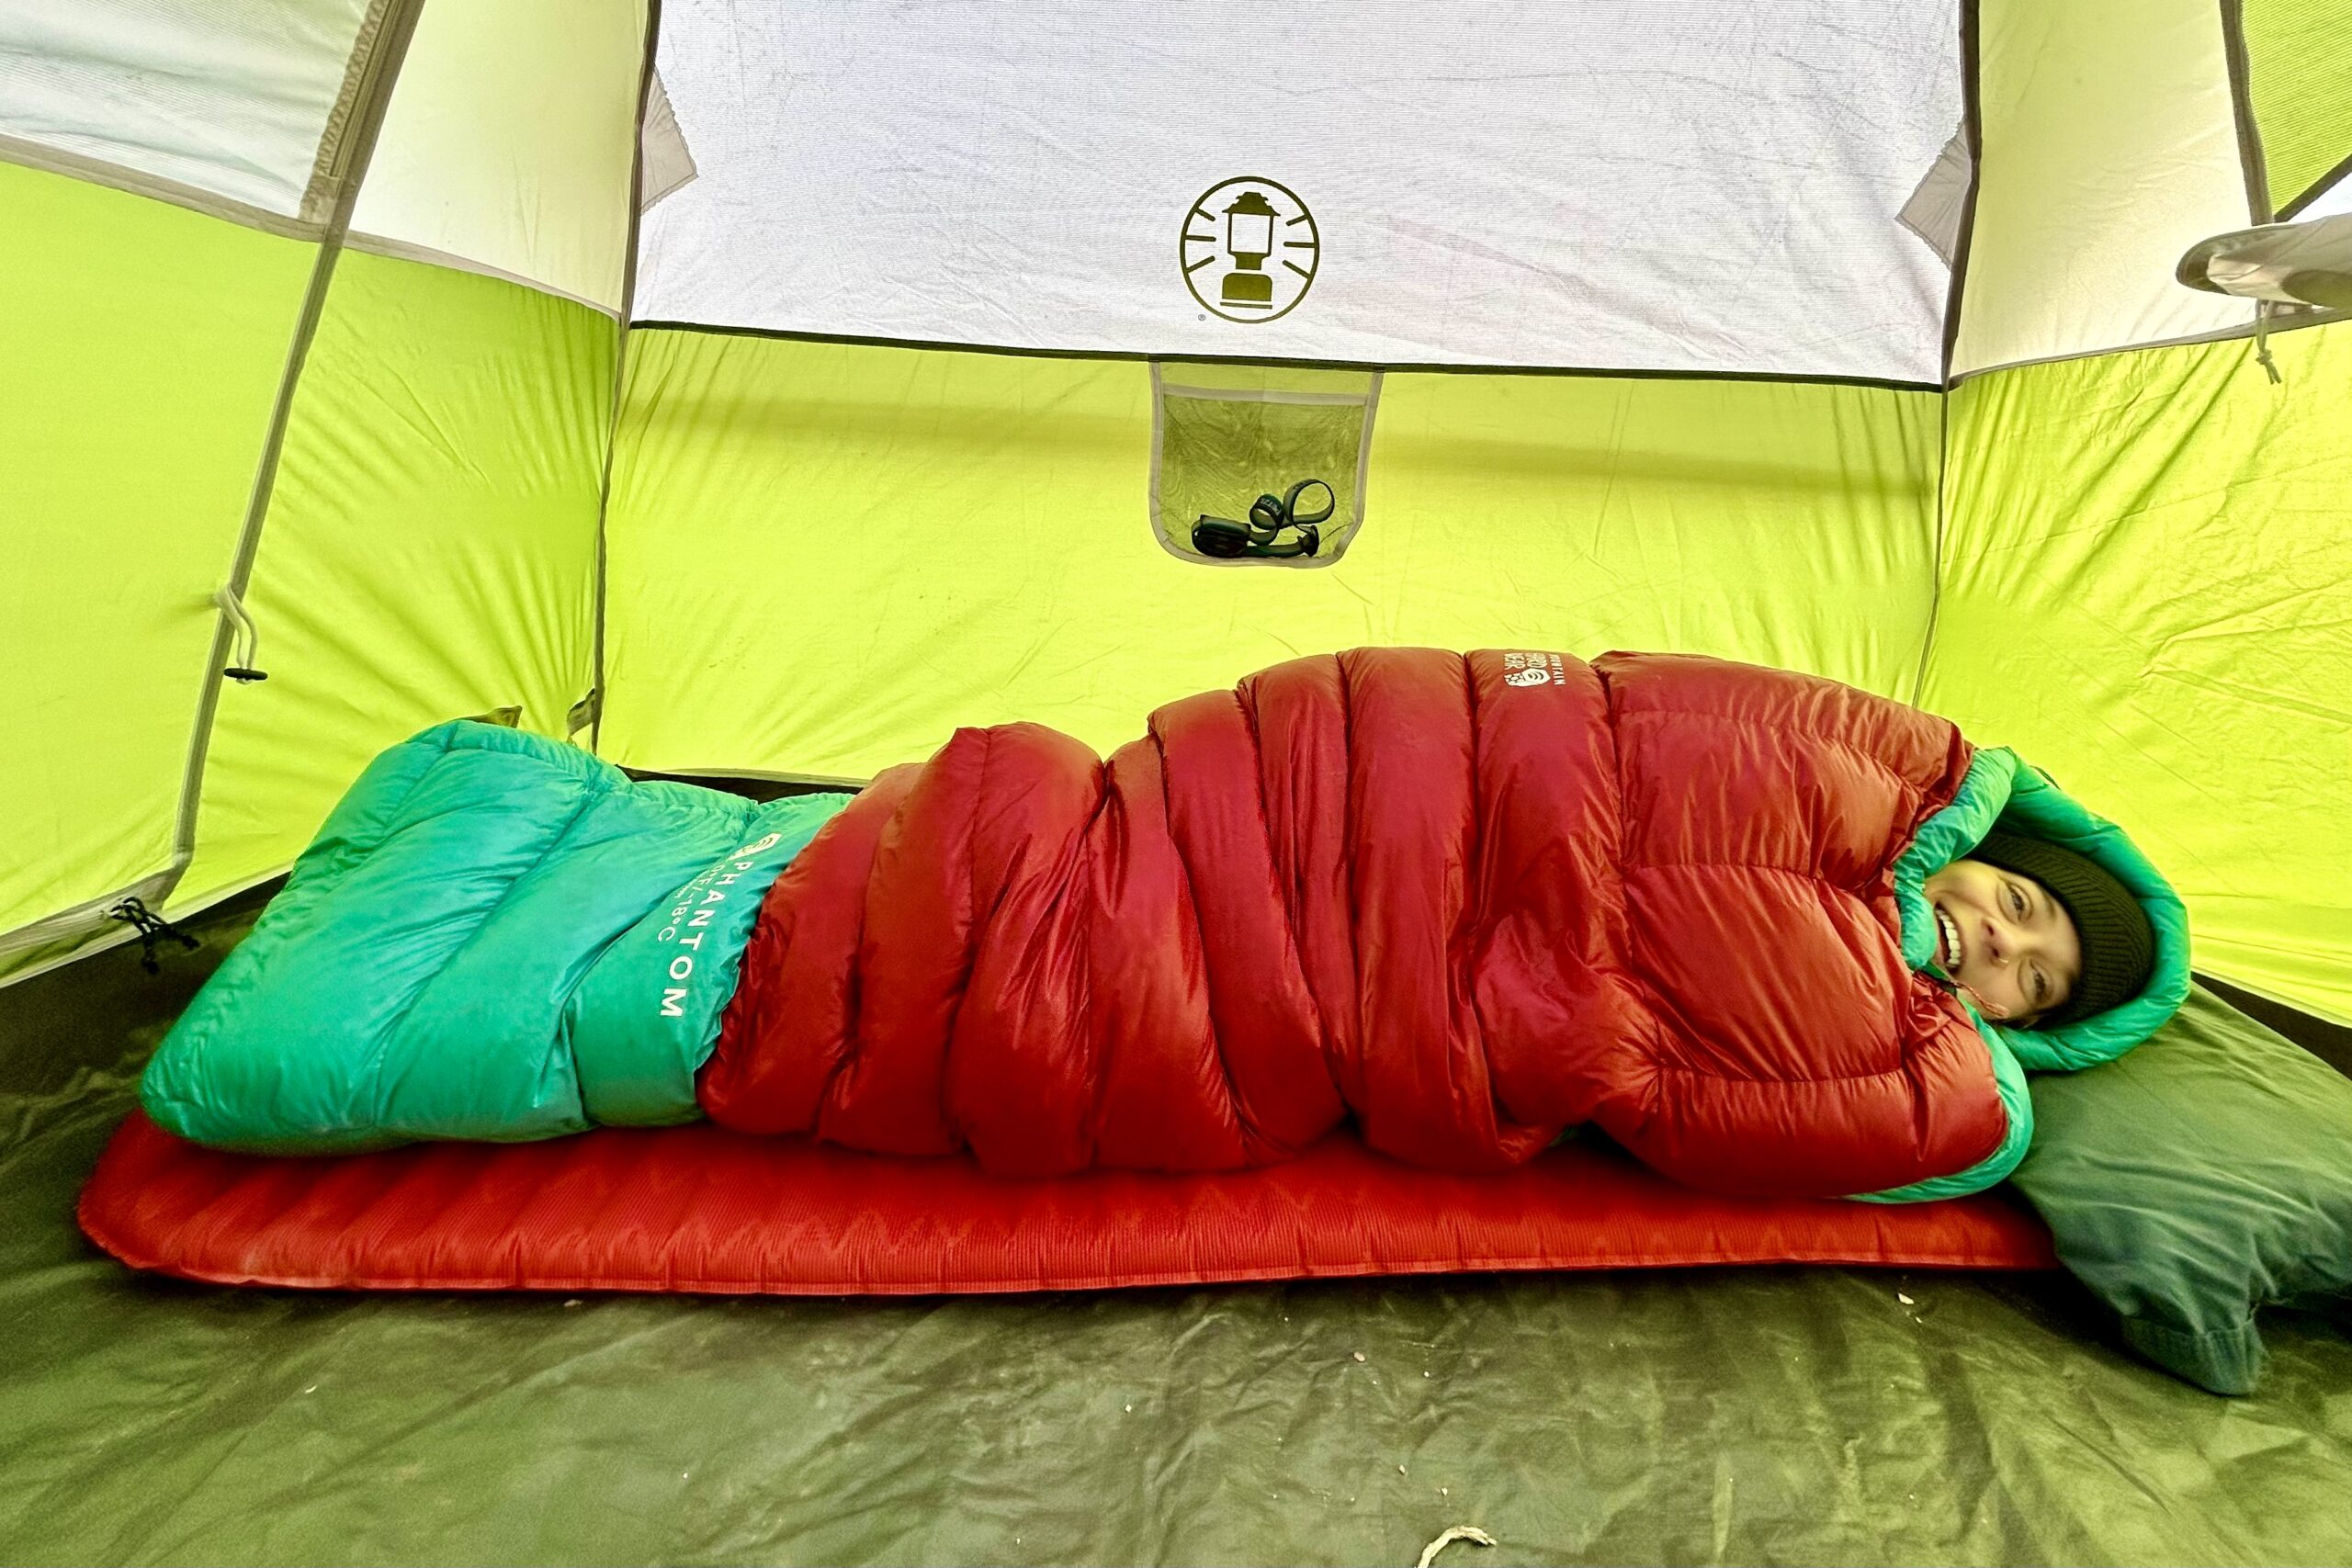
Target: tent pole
x,y
2258,175
375,67
1972,129
595,701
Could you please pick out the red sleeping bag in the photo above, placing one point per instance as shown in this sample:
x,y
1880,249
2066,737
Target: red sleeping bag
x,y
1469,901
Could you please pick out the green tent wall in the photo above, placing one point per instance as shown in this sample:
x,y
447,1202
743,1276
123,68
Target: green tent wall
x,y
777,554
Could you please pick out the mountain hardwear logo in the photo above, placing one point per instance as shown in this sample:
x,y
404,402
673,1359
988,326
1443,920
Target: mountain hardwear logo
x,y
1533,670
1249,250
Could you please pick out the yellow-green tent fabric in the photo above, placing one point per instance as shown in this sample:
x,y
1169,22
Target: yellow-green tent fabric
x,y
766,390
316,342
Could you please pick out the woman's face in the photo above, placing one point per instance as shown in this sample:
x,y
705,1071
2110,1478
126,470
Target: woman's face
x,y
2018,948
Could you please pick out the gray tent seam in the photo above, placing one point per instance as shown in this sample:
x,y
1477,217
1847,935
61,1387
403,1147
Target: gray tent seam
x,y
1972,125
27,938
1291,362
427,256
244,215
2314,316
135,182
385,41
347,141
2257,175
88,915
1936,561
590,710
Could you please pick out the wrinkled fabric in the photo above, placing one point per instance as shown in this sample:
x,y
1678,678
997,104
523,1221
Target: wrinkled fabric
x,y
495,936
2198,1180
1796,1414
1466,901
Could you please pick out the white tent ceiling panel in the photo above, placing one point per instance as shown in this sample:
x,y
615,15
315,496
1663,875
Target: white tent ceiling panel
x,y
230,99
2110,146
508,139
1684,185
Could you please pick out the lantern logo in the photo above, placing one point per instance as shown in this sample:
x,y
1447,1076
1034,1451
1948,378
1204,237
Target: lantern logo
x,y
1249,250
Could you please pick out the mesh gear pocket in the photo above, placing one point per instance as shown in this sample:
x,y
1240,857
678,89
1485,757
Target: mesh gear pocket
x,y
1223,434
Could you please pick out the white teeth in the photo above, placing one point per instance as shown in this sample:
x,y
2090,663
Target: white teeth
x,y
1949,930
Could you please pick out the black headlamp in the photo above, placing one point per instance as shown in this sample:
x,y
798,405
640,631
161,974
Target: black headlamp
x,y
1261,536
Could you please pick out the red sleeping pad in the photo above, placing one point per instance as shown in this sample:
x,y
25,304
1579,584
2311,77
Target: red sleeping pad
x,y
700,1208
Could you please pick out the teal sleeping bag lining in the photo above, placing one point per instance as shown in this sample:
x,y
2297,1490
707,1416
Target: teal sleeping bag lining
x,y
494,936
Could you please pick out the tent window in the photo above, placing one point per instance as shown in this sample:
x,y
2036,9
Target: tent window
x,y
1223,434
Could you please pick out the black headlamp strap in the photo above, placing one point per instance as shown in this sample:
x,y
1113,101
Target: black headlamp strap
x,y
1269,517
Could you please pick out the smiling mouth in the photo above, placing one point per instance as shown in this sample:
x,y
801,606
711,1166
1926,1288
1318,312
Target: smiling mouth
x,y
1948,950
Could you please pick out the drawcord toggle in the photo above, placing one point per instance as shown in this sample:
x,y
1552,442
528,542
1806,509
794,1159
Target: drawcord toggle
x,y
1952,986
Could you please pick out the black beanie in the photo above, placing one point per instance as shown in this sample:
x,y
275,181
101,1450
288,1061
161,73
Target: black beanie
x,y
2118,944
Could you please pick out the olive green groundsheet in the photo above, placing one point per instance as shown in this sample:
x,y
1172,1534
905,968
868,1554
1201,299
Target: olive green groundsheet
x,y
1783,1414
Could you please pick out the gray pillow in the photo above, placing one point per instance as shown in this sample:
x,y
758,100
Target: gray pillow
x,y
2197,1178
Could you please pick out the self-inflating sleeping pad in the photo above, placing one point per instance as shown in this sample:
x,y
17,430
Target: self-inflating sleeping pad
x,y
1466,902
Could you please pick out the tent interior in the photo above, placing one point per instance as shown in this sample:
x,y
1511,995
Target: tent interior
x,y
755,393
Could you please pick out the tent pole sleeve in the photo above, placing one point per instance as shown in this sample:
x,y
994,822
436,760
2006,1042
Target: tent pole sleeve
x,y
2257,175
1972,129
1971,73
1936,558
375,67
595,699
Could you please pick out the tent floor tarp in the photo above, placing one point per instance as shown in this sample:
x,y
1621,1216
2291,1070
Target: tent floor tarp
x,y
1791,1413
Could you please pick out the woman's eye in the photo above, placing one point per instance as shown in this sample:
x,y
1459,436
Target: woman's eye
x,y
2018,895
2041,987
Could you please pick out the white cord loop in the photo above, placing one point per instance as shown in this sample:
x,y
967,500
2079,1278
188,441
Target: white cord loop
x,y
248,635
